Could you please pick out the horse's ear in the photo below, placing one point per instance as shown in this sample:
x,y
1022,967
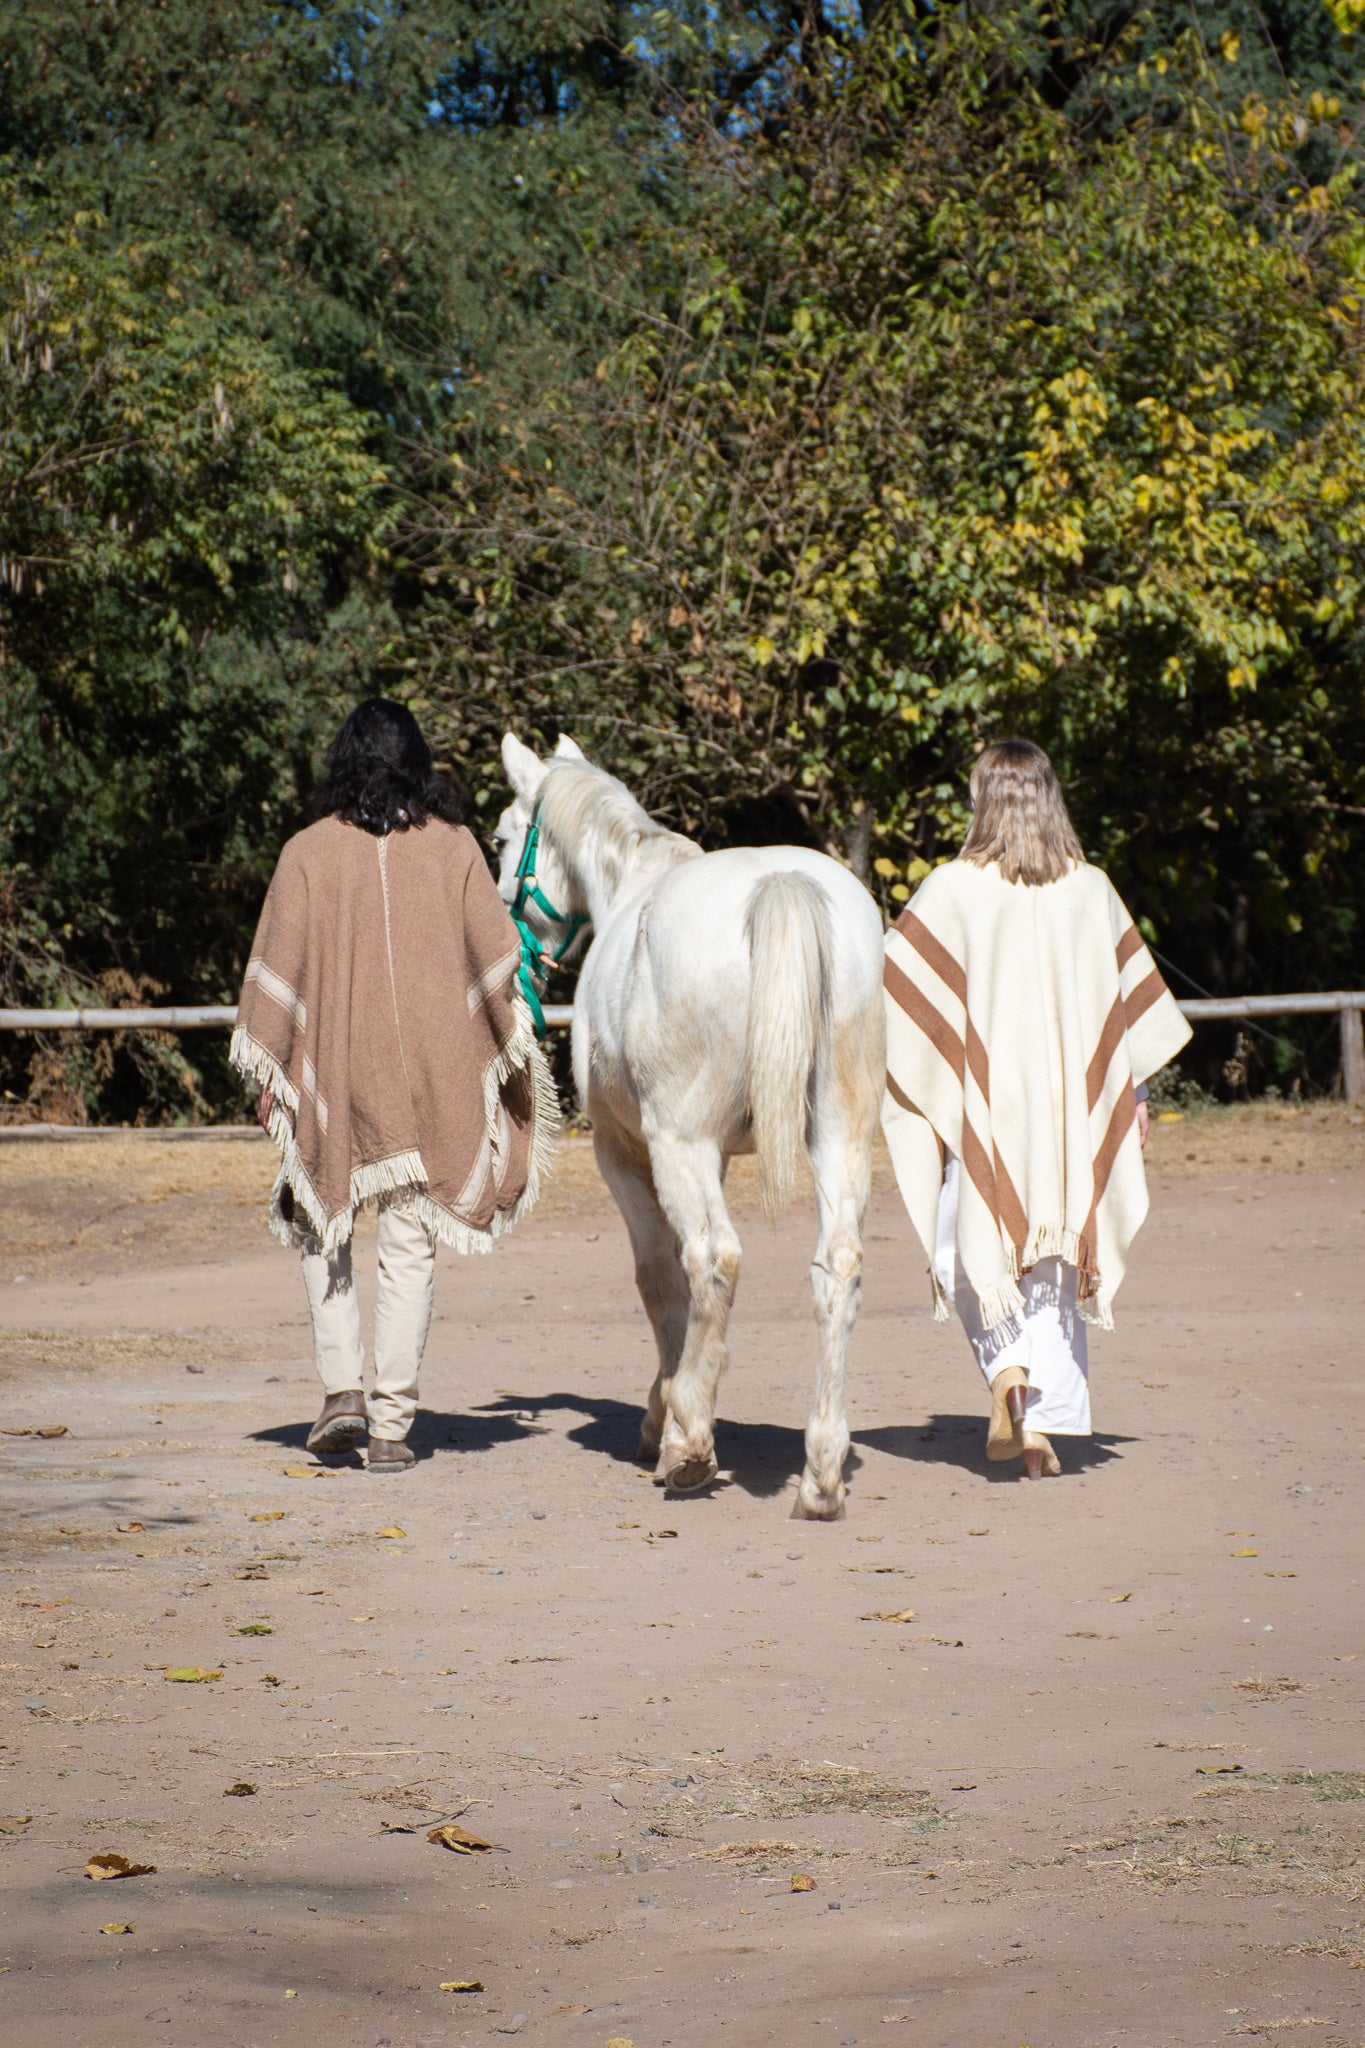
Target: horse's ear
x,y
568,750
525,769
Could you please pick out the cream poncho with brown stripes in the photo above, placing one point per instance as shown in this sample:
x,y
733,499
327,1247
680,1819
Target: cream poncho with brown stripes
x,y
1019,1019
382,1011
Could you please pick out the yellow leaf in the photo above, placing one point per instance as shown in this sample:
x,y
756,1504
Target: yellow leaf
x,y
241,1790
394,1531
620,2041
130,1528
1117,1599
111,1864
474,1984
191,1674
901,1614
1244,1553
11,1823
885,867
118,1927
269,1515
449,1836
297,1471
1170,1116
802,1883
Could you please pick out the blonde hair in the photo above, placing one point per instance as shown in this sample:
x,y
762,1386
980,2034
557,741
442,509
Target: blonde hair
x,y
1019,816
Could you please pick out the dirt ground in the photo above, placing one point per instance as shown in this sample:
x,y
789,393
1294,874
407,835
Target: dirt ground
x,y
1145,1830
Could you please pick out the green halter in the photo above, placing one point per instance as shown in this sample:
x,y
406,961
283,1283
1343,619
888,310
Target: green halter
x,y
533,967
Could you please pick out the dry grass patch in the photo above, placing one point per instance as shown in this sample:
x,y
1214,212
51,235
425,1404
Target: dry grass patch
x,y
1274,1688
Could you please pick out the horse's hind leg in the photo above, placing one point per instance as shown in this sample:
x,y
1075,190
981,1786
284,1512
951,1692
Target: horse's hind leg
x,y
658,1273
841,1158
688,1177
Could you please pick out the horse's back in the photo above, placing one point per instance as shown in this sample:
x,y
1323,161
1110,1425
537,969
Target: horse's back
x,y
670,981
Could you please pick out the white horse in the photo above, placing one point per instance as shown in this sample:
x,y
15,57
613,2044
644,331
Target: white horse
x,y
729,1002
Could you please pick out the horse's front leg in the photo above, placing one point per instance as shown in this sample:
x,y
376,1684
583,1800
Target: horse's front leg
x,y
842,1163
658,1274
688,1177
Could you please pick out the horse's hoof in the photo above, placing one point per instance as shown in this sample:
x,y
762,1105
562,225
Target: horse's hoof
x,y
691,1475
813,1506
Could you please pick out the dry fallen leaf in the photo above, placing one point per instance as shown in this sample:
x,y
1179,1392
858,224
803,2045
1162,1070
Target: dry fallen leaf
x,y
966,1787
1244,1553
902,1614
474,1984
1117,1599
802,1883
119,1927
46,1606
38,1429
298,1471
111,1864
394,1531
658,1535
1215,1770
1279,1575
130,1528
11,1823
252,1628
620,2041
269,1515
449,1836
191,1674
241,1790
370,1617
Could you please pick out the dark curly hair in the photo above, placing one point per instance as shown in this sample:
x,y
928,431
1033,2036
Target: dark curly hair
x,y
380,774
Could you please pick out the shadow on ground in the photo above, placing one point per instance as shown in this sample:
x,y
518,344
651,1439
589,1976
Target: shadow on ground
x,y
762,1457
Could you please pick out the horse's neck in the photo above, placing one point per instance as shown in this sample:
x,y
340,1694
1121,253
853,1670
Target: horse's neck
x,y
606,877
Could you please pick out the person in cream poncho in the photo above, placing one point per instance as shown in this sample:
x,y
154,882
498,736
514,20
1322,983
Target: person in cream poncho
x,y
1024,1016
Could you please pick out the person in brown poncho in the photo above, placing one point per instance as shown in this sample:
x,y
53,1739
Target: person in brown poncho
x,y
382,1016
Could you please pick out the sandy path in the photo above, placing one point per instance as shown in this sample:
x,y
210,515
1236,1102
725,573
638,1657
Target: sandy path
x,y
659,1711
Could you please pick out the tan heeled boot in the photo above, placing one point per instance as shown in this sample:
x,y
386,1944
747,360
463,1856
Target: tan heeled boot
x,y
1005,1437
1040,1460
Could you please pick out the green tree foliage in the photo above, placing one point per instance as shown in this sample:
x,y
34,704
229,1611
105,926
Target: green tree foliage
x,y
785,397
975,416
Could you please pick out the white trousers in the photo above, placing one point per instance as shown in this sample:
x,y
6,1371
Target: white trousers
x,y
1046,1339
407,1265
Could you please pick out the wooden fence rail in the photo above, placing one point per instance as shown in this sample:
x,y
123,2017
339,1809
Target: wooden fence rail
x,y
1348,1005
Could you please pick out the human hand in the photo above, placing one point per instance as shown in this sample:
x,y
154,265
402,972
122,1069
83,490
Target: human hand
x,y
1144,1123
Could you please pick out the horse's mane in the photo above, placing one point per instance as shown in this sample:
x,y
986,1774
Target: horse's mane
x,y
599,829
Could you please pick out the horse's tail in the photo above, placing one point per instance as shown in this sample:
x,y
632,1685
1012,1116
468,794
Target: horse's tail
x,y
787,924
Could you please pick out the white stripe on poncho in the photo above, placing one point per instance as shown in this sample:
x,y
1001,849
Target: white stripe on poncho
x,y
1019,1019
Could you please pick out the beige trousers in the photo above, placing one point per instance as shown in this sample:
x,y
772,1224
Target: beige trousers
x,y
407,1264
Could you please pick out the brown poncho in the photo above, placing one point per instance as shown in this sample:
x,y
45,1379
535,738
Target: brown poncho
x,y
381,1010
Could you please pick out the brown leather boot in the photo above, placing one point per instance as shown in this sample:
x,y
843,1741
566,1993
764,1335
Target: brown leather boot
x,y
341,1424
384,1455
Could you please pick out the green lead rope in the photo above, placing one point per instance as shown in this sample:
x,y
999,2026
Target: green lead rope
x,y
533,968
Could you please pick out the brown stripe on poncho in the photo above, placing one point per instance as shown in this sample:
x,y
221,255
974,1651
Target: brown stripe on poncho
x,y
1019,1019
381,1009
